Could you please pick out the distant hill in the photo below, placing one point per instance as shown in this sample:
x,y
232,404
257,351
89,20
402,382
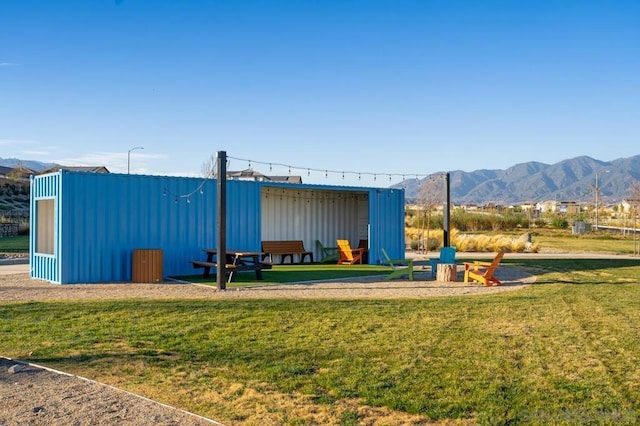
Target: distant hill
x,y
568,180
29,164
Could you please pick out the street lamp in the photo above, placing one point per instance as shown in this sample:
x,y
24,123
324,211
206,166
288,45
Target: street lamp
x,y
598,190
141,147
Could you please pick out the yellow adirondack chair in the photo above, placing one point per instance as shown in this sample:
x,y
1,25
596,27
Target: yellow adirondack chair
x,y
348,255
483,271
400,266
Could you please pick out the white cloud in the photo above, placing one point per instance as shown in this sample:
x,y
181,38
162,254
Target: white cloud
x,y
37,153
8,64
116,162
16,142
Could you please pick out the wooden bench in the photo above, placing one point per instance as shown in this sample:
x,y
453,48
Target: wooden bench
x,y
230,268
209,265
285,249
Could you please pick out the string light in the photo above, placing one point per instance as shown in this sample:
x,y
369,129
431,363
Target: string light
x,y
360,174
199,188
290,168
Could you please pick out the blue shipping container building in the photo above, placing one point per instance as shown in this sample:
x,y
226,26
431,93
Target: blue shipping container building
x,y
85,226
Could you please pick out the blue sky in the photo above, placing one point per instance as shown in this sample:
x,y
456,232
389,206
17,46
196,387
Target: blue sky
x,y
388,87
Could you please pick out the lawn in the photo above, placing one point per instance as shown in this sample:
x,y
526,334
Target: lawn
x,y
563,351
602,241
18,244
293,273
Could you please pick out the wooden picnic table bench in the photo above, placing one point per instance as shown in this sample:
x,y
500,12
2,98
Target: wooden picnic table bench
x,y
286,248
236,261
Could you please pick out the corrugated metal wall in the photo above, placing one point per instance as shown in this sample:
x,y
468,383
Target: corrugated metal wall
x,y
102,218
386,208
311,215
45,266
328,213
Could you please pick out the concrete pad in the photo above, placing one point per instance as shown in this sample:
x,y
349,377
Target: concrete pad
x,y
14,268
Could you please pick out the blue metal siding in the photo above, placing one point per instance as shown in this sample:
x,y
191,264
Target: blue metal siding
x,y
243,215
108,216
101,218
386,207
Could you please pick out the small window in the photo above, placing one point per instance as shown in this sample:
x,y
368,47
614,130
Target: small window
x,y
45,211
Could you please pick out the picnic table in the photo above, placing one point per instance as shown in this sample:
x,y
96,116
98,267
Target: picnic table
x,y
236,260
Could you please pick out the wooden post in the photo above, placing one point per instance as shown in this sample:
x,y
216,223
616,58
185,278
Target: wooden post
x,y
447,272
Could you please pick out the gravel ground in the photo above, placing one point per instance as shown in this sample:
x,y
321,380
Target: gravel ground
x,y
19,287
37,396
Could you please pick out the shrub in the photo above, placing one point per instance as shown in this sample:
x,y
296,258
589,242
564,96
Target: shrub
x,y
492,243
560,223
23,229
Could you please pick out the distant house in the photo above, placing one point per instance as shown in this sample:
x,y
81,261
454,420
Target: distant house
x,y
252,175
91,169
17,173
563,207
629,205
469,207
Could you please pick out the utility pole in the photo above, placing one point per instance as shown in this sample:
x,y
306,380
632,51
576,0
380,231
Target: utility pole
x,y
129,157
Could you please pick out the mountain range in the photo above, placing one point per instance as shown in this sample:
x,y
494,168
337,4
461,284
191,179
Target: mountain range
x,y
36,166
568,180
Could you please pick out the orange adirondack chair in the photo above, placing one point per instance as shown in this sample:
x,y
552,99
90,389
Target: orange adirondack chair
x,y
348,255
483,271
